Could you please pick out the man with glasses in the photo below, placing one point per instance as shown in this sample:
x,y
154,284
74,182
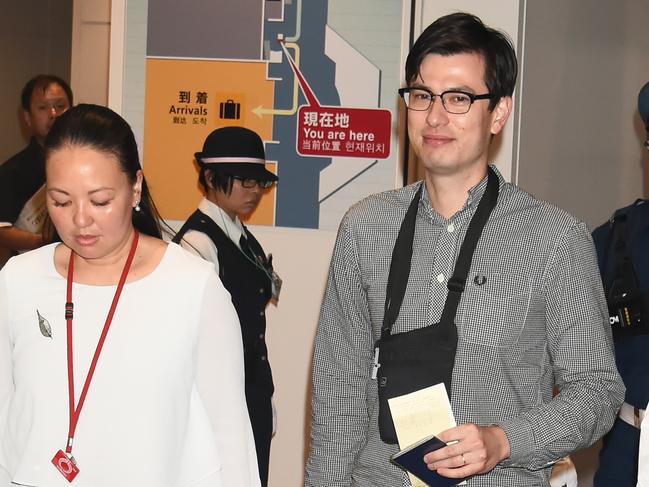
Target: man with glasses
x,y
530,315
234,177
22,177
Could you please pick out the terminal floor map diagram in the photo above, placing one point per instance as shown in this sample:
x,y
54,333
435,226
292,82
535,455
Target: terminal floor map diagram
x,y
300,74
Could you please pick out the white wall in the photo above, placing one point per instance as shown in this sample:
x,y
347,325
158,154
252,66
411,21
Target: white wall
x,y
302,259
90,51
581,135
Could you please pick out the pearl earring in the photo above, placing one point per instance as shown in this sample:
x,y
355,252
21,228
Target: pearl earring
x,y
137,207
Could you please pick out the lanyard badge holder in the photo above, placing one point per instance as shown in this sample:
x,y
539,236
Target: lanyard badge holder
x,y
66,465
259,260
63,460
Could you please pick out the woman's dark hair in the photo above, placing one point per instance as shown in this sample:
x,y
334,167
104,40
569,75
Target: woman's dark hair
x,y
465,33
219,179
103,130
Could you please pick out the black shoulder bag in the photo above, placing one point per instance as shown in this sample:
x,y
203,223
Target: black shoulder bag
x,y
410,361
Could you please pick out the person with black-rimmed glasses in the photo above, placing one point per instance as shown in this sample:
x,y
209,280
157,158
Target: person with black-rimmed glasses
x,y
234,177
461,279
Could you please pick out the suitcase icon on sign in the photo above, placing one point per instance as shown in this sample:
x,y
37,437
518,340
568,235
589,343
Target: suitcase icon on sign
x,y
230,109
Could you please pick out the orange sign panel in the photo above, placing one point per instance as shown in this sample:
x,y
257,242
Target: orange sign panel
x,y
185,101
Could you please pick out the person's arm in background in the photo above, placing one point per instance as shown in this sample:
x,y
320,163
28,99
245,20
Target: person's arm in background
x,y
13,238
11,204
341,369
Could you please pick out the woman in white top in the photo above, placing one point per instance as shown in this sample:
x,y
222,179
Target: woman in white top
x,y
643,453
105,384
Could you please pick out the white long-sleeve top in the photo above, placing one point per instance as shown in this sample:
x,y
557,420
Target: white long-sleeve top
x,y
200,244
643,454
166,406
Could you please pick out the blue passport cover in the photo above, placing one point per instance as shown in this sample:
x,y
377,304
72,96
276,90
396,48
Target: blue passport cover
x,y
412,460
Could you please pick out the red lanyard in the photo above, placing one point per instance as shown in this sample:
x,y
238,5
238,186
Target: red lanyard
x,y
75,412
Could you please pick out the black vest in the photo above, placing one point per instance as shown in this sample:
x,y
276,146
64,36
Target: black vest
x,y
250,288
628,302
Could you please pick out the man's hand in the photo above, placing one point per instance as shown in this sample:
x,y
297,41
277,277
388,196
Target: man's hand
x,y
478,449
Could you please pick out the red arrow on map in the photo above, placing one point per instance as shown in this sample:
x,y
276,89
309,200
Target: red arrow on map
x,y
328,131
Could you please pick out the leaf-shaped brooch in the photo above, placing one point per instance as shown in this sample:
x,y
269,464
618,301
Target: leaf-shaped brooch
x,y
44,325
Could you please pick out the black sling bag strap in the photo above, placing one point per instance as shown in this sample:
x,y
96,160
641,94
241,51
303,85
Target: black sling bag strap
x,y
626,302
410,361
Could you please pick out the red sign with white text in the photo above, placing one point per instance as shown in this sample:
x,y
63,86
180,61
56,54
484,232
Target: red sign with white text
x,y
344,132
326,131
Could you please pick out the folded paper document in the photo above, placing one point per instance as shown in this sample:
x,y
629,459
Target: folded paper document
x,y
419,416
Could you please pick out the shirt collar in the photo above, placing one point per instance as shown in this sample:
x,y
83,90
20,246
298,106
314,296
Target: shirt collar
x,y
233,229
473,198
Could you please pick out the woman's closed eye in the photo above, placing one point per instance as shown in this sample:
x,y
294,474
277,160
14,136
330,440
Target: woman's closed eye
x,y
102,203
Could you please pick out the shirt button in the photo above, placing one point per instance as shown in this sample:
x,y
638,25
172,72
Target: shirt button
x,y
263,358
450,228
261,336
261,313
440,278
261,290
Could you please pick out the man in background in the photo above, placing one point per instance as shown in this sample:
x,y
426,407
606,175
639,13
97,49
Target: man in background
x,y
22,177
623,255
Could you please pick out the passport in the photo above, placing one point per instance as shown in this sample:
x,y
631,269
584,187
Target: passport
x,y
412,460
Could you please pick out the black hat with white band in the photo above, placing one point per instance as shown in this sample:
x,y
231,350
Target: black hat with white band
x,y
643,108
643,104
237,151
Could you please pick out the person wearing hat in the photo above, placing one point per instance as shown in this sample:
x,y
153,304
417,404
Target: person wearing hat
x,y
622,245
233,174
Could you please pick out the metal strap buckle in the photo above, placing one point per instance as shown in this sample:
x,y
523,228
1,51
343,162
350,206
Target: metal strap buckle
x,y
456,284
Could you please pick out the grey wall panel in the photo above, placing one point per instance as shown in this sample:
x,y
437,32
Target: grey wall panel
x,y
579,142
198,28
35,37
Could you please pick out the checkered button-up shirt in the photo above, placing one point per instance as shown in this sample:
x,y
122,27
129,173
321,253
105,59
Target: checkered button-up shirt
x,y
532,316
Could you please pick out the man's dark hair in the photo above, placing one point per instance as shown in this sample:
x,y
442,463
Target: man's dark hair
x,y
41,82
219,179
460,33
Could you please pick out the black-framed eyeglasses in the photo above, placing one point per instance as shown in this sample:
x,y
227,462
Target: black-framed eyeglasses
x,y
454,101
250,183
